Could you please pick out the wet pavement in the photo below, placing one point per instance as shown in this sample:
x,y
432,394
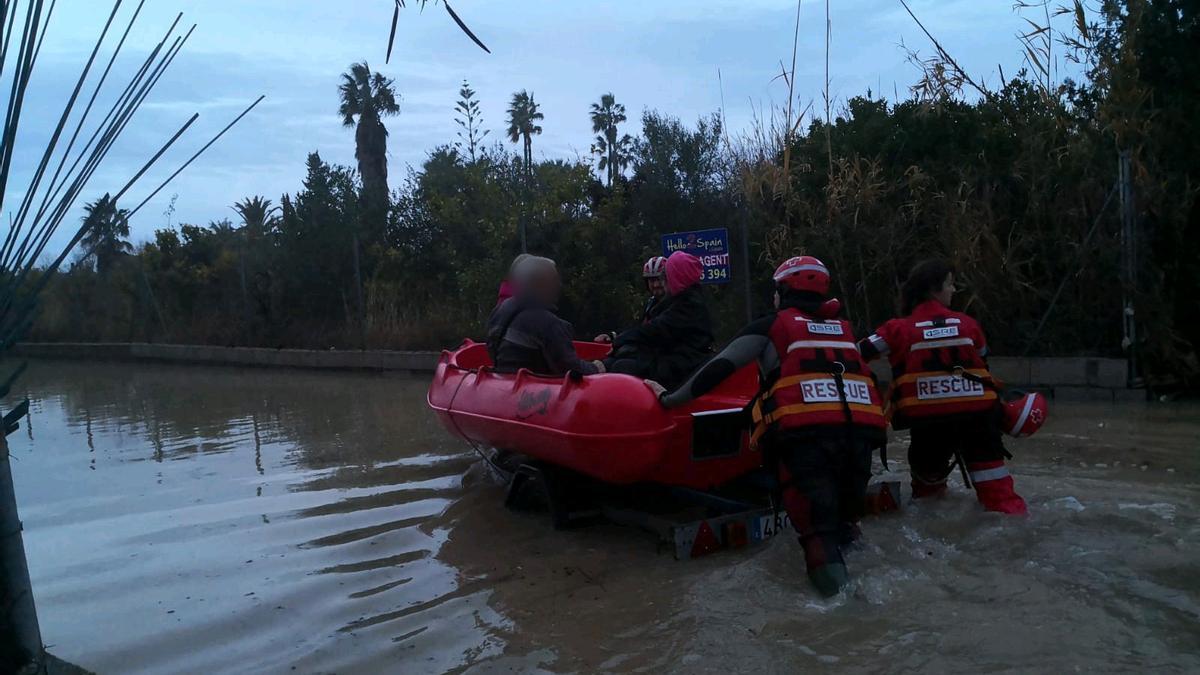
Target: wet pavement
x,y
188,519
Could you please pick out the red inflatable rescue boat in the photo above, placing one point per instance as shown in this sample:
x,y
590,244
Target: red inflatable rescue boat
x,y
609,427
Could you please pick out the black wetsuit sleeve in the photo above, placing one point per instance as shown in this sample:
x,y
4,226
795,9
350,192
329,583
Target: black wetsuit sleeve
x,y
741,350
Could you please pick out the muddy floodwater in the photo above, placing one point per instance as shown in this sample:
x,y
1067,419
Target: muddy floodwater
x,y
203,520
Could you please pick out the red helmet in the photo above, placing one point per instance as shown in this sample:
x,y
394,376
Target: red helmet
x,y
1024,413
803,273
654,267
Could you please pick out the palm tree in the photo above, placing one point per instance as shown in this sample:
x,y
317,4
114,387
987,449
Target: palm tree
x,y
522,117
258,216
613,151
369,97
107,227
223,232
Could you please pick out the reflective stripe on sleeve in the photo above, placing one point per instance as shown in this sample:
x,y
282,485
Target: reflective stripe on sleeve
x,y
879,343
989,474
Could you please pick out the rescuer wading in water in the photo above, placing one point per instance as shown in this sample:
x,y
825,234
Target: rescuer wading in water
x,y
942,391
819,417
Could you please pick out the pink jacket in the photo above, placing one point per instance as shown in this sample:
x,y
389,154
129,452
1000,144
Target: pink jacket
x,y
506,292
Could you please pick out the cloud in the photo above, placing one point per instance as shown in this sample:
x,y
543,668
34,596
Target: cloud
x,y
652,55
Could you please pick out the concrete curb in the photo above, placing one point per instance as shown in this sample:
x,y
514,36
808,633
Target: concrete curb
x,y
1062,378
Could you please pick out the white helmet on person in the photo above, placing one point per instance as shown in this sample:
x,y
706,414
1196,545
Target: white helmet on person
x,y
655,267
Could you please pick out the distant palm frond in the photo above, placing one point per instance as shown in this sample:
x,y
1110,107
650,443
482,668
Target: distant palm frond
x,y
399,4
70,157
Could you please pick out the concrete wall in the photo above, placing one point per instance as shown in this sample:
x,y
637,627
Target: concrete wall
x,y
416,362
1063,378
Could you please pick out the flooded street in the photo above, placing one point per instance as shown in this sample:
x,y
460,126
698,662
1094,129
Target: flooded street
x,y
190,520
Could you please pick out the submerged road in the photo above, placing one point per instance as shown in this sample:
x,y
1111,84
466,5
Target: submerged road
x,y
186,520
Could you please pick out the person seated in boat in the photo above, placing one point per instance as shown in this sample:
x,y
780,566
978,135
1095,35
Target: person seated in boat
x,y
507,287
525,332
654,274
819,415
675,336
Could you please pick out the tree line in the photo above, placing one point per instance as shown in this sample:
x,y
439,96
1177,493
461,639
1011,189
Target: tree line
x,y
1017,185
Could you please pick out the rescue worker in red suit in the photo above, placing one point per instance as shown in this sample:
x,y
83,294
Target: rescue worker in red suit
x,y
819,417
943,392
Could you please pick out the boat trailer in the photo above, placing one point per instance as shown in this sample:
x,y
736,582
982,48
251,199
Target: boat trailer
x,y
688,522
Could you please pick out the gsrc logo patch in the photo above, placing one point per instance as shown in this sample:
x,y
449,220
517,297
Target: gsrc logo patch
x,y
826,328
938,333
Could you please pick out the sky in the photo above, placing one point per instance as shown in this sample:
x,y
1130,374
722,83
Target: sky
x,y
651,54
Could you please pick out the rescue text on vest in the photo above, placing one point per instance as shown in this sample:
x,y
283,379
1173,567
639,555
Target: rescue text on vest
x,y
826,391
947,386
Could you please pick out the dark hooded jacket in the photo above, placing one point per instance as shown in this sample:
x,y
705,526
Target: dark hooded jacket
x,y
524,333
676,336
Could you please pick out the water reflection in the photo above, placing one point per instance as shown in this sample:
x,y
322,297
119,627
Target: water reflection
x,y
244,521
214,520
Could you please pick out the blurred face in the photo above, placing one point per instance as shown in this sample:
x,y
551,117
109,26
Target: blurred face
x,y
547,286
946,293
657,286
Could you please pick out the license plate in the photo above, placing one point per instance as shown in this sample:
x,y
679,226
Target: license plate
x,y
771,525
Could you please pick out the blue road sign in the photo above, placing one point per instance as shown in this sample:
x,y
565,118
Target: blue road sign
x,y
710,246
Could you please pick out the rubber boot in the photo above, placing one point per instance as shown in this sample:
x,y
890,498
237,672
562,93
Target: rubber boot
x,y
822,555
829,579
994,488
826,568
922,489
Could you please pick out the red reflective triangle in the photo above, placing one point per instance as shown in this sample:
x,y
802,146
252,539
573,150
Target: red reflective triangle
x,y
736,534
706,541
